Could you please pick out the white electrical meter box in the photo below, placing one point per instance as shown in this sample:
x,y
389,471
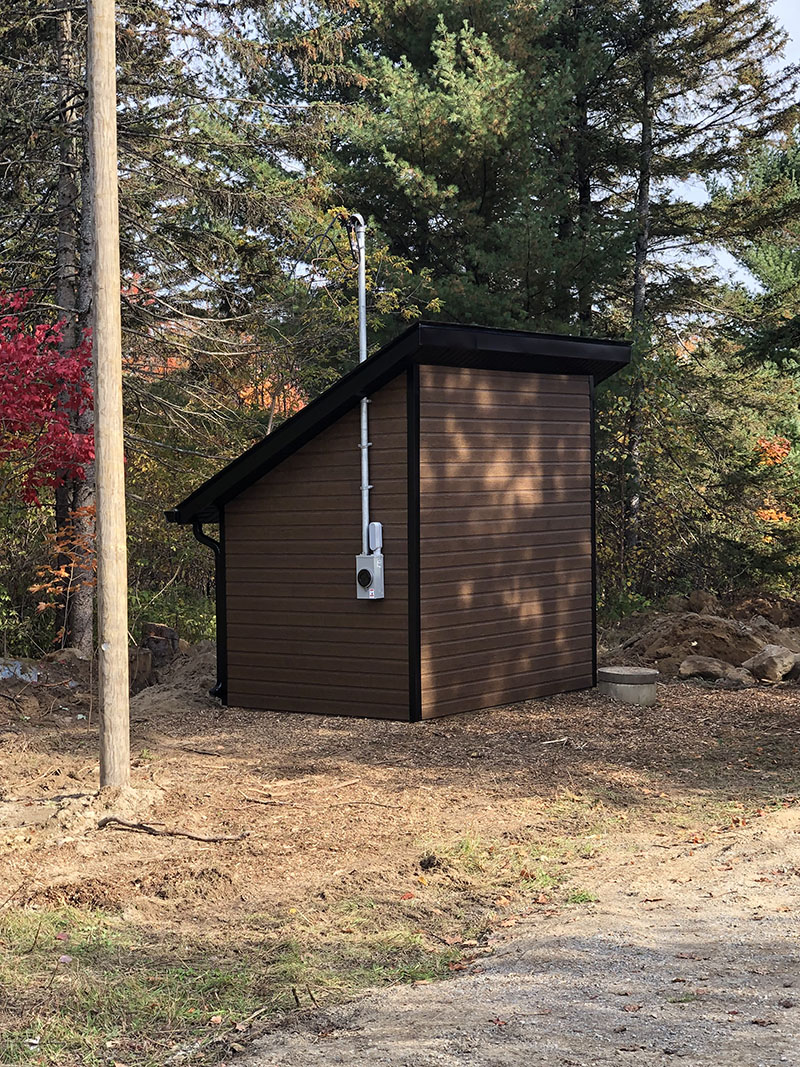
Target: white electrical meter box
x,y
369,577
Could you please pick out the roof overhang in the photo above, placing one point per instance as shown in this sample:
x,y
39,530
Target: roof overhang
x,y
426,343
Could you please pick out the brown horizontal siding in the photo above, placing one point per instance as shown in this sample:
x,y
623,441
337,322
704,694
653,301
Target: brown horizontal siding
x,y
297,638
496,663
456,703
507,585
506,608
469,624
464,555
497,640
530,481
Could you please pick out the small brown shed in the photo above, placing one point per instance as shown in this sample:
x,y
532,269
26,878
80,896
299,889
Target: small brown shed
x,y
482,476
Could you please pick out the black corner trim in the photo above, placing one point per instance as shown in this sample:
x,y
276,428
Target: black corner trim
x,y
220,689
414,621
592,476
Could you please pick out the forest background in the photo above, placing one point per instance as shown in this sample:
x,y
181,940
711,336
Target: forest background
x,y
617,168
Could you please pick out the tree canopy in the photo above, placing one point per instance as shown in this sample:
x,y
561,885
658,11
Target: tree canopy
x,y
556,165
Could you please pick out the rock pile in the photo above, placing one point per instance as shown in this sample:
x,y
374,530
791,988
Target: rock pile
x,y
702,642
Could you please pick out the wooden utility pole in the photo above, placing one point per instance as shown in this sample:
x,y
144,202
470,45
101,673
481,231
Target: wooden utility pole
x,y
112,564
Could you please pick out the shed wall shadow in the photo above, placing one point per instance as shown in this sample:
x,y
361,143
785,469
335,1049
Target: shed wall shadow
x,y
506,603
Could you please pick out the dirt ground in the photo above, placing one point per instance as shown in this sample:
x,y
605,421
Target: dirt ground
x,y
367,840
690,954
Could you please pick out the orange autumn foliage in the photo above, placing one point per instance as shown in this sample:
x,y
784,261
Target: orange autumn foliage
x,y
773,450
770,514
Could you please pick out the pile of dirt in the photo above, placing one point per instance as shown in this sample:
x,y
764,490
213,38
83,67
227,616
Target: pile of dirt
x,y
188,678
666,641
782,611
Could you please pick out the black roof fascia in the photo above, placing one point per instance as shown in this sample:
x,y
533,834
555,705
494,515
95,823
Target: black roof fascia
x,y
424,342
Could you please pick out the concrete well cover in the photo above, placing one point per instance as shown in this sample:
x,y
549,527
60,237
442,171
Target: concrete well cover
x,y
628,675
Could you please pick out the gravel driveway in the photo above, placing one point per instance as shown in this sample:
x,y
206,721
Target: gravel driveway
x,y
695,963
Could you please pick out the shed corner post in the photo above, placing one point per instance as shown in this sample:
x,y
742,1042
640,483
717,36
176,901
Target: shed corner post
x,y
413,511
220,688
593,505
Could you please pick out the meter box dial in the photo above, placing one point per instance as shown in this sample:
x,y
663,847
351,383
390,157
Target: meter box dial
x,y
369,577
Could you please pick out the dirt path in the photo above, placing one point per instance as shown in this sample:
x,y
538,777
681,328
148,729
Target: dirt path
x,y
694,961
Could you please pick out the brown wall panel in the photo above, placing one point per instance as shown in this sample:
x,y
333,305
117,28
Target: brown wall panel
x,y
298,639
506,607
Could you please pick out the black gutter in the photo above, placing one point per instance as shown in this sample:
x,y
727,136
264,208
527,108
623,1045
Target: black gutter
x,y
220,689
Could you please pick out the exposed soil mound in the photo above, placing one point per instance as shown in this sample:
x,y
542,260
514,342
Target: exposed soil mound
x,y
195,669
780,610
203,883
187,679
91,893
668,639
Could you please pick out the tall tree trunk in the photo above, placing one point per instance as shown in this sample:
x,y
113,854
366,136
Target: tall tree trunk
x,y
66,260
81,618
562,296
639,314
584,183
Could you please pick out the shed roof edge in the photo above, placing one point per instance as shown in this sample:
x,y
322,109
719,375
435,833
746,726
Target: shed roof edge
x,y
421,343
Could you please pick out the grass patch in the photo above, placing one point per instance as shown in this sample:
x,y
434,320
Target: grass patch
x,y
519,870
581,896
83,989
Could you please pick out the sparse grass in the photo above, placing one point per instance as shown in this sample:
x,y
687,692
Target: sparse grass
x,y
581,896
82,989
79,988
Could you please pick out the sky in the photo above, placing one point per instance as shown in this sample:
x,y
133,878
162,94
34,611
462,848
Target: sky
x,y
787,12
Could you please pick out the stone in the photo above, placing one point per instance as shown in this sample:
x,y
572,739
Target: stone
x,y
676,603
140,669
724,674
703,603
736,678
631,685
764,628
704,667
184,646
772,663
163,642
67,655
788,638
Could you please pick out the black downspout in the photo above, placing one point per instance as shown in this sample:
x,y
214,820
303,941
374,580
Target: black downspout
x,y
221,688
